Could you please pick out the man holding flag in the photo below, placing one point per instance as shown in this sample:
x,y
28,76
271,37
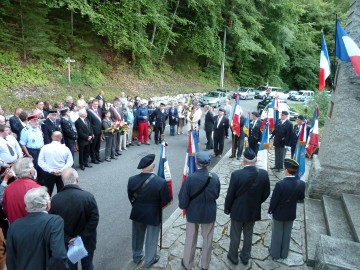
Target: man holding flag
x,y
255,132
237,125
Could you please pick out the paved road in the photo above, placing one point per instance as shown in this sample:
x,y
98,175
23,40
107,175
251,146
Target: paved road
x,y
108,182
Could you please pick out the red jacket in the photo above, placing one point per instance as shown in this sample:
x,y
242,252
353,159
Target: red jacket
x,y
13,200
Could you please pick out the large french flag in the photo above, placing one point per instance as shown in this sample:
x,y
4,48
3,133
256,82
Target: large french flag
x,y
346,48
272,113
324,64
236,117
164,169
313,138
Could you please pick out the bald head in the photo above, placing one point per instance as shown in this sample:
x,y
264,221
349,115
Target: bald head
x,y
70,176
56,136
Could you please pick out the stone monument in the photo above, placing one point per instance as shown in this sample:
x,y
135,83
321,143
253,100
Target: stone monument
x,y
336,169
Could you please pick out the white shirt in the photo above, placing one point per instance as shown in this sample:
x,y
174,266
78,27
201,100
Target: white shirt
x,y
5,154
219,120
15,145
55,157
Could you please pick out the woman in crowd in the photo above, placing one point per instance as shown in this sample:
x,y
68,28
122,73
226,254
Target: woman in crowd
x,y
109,136
81,103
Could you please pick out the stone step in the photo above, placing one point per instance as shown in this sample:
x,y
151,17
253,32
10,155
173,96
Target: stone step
x,y
336,221
314,227
352,208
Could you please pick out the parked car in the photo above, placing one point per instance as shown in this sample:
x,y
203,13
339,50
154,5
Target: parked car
x,y
246,92
292,93
303,94
269,90
213,98
227,92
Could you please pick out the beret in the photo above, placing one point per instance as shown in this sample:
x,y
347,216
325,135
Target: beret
x,y
53,111
146,161
301,117
221,110
256,114
32,116
291,163
249,154
203,158
285,112
162,104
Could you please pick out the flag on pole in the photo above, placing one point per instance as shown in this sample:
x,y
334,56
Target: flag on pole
x,y
164,169
236,117
313,138
300,151
324,64
262,156
346,48
272,113
247,125
267,87
190,164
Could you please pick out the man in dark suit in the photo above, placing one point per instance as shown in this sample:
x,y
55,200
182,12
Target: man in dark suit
x,y
221,125
116,112
248,189
209,127
255,132
79,210
159,117
69,134
16,124
37,240
282,133
147,193
85,135
50,126
173,118
238,141
95,118
296,132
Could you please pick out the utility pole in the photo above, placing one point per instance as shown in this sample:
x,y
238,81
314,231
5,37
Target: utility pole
x,y
222,71
69,61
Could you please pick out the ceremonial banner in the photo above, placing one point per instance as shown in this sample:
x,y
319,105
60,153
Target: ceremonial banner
x,y
247,125
190,164
236,117
299,155
262,156
164,169
313,139
272,113
324,64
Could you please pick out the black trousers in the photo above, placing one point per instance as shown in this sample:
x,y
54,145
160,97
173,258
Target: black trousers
x,y
238,145
219,144
254,146
84,152
280,153
95,148
49,181
158,130
209,143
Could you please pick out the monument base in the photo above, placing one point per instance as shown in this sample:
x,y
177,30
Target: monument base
x,y
331,180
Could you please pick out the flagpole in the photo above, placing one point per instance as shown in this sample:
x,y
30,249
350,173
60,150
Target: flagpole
x,y
335,69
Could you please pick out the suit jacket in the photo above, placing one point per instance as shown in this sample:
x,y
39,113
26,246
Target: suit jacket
x,y
295,136
115,117
171,114
83,131
95,123
146,207
279,207
202,209
224,125
254,131
69,134
209,121
246,207
16,126
36,242
282,133
48,128
79,210
159,117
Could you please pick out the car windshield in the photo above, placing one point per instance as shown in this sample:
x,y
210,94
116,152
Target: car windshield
x,y
212,94
242,90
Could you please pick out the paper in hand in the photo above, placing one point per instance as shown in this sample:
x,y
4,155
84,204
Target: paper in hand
x,y
77,250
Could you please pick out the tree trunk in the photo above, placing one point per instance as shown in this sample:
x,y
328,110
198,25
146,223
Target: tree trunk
x,y
24,57
153,35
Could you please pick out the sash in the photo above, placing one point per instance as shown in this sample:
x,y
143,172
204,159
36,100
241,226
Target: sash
x,y
118,116
95,114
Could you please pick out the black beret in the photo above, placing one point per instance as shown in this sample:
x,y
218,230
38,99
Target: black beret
x,y
203,158
146,161
53,111
301,117
249,154
256,114
221,110
64,110
285,112
291,163
162,104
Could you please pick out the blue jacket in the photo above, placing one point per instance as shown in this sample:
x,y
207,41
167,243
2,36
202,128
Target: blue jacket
x,y
202,209
141,113
279,207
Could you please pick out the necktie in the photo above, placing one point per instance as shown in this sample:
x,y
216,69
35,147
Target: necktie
x,y
11,150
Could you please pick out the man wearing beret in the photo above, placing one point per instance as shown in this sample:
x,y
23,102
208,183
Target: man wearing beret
x,y
248,189
158,118
147,193
254,132
282,141
220,127
50,126
198,196
296,132
285,196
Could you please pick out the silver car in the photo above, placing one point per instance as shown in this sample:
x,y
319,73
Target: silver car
x,y
213,98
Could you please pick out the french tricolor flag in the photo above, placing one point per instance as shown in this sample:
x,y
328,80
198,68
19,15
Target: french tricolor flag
x,y
346,48
324,64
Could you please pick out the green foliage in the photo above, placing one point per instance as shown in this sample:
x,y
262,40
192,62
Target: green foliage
x,y
322,99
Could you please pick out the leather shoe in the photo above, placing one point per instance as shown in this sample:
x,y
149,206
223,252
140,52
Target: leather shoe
x,y
182,264
88,166
107,159
156,259
95,162
231,260
114,158
243,261
100,161
231,157
82,167
117,154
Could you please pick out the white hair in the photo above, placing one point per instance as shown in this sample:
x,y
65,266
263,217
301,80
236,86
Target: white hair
x,y
82,111
36,199
69,176
23,166
68,98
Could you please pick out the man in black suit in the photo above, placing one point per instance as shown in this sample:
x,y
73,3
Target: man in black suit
x,y
248,189
159,117
85,135
95,118
79,210
209,127
296,132
37,240
255,132
16,124
282,141
146,200
221,124
69,134
238,141
50,126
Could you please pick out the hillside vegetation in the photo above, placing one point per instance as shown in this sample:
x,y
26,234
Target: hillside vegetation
x,y
156,47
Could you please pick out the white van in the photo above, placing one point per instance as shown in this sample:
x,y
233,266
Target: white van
x,y
303,95
270,89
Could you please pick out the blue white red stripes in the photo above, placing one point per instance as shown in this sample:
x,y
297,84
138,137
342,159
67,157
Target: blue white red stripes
x,y
324,64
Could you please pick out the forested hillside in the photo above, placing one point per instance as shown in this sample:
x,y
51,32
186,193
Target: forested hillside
x,y
266,40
